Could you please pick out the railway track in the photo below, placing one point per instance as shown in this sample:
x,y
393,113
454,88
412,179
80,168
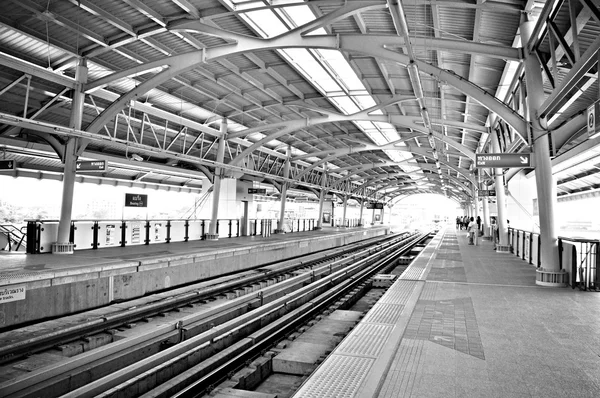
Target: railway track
x,y
181,352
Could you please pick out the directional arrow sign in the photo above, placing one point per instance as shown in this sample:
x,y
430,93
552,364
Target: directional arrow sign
x,y
91,165
7,165
502,160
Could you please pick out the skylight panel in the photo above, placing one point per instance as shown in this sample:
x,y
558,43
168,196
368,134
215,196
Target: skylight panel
x,y
338,66
311,69
345,104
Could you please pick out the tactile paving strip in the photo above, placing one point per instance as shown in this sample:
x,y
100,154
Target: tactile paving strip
x,y
367,339
338,377
398,293
384,313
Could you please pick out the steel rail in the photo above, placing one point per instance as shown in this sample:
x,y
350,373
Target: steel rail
x,y
236,334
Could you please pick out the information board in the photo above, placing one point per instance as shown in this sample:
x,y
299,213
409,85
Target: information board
x,y
90,165
7,164
257,190
136,200
502,160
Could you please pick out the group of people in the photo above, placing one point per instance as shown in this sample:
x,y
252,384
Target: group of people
x,y
474,228
463,222
472,225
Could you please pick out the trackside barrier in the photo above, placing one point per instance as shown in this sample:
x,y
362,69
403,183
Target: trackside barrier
x,y
577,256
96,234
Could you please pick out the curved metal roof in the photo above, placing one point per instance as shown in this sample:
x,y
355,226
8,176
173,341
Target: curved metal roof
x,y
370,98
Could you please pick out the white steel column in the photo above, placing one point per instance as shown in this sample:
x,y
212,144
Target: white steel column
x,y
219,172
550,273
344,212
360,217
63,245
486,209
322,197
284,186
503,245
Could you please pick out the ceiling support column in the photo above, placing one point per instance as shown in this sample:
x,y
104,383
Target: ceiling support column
x,y
284,187
486,209
344,212
63,244
503,246
219,174
549,273
360,217
476,209
322,198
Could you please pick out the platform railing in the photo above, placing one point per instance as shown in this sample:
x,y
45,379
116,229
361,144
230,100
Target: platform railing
x,y
96,234
577,256
16,238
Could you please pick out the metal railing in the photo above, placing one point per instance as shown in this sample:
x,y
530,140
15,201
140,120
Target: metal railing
x,y
577,256
96,234
16,237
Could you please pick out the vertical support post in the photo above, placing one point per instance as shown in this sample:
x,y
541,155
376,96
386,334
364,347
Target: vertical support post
x,y
212,227
322,198
345,209
550,273
382,214
63,244
486,211
360,217
503,245
284,187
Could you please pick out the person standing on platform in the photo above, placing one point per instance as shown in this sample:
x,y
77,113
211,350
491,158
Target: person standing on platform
x,y
478,225
495,232
465,222
458,222
472,229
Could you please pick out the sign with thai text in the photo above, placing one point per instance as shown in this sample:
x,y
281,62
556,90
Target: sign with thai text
x,y
12,293
257,190
136,200
502,160
487,192
90,165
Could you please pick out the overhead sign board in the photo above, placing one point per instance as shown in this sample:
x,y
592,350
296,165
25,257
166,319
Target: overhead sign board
x,y
502,160
90,165
7,164
136,200
593,122
375,205
257,190
487,192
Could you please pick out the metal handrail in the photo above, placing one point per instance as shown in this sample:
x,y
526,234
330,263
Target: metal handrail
x,y
9,230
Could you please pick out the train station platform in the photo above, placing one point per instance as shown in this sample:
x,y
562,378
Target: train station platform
x,y
39,286
465,321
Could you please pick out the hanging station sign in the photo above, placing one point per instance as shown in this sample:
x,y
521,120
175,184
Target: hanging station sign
x,y
90,165
375,205
261,191
593,122
487,192
136,200
7,164
502,160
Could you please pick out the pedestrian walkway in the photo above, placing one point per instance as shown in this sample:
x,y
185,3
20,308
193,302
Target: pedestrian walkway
x,y
470,322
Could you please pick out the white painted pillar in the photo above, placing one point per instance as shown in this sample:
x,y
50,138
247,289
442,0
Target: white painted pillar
x,y
545,183
284,187
219,173
63,244
344,212
500,200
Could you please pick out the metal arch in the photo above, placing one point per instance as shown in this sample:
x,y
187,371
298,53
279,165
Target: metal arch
x,y
293,125
185,62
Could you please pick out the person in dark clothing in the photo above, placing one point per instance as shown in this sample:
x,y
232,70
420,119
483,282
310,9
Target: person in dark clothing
x,y
478,224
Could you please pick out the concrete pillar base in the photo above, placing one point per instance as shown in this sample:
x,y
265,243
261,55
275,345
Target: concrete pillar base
x,y
503,248
279,231
211,237
317,228
359,225
63,248
551,278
